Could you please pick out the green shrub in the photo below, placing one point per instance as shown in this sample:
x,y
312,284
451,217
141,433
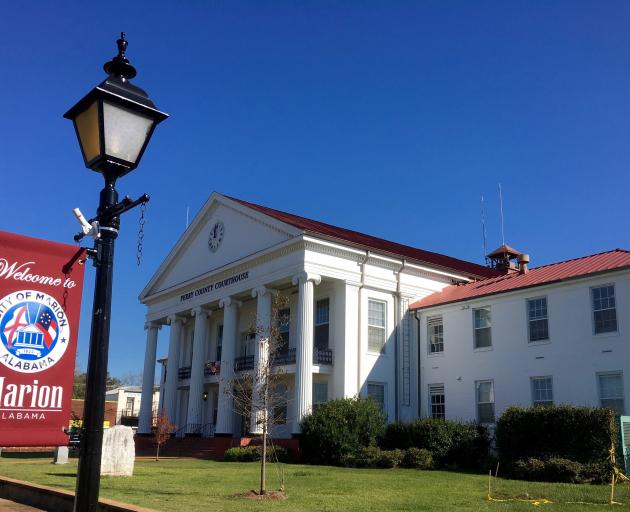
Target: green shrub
x,y
555,469
572,443
417,458
373,457
241,454
558,469
389,458
363,458
579,434
338,429
254,453
529,469
451,443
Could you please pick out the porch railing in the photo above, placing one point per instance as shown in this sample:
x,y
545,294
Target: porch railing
x,y
184,372
243,363
284,357
322,356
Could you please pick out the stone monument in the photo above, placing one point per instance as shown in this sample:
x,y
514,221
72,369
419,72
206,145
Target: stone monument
x,y
119,451
61,455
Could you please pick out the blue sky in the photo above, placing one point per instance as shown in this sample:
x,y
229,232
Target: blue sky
x,y
391,118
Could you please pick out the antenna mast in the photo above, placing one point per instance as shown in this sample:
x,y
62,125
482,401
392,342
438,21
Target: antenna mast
x,y
483,231
501,206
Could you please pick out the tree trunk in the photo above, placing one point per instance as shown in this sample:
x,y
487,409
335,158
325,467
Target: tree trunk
x,y
263,460
157,453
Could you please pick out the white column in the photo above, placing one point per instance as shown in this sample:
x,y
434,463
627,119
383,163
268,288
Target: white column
x,y
225,408
304,347
346,340
261,354
172,368
197,365
145,419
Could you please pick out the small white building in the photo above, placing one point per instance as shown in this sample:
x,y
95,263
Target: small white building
x,y
128,400
476,340
555,334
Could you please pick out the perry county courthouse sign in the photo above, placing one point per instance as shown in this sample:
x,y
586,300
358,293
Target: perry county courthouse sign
x,y
374,318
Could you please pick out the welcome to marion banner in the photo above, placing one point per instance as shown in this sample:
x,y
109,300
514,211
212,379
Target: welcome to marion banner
x,y
40,301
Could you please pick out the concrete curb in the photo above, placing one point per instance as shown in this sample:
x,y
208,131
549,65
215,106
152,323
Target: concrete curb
x,y
55,500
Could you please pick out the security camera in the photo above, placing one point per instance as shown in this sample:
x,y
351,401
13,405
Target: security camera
x,y
87,228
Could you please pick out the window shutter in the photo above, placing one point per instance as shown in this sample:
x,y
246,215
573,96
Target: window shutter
x,y
625,440
433,321
436,389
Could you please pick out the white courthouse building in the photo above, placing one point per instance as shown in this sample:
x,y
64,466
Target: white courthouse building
x,y
352,330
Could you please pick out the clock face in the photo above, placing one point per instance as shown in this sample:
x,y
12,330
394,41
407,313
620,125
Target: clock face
x,y
216,236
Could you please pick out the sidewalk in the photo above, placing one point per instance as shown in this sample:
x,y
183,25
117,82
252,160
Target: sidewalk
x,y
10,506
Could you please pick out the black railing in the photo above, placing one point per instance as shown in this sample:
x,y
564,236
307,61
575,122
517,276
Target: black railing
x,y
243,363
129,412
322,356
212,368
284,357
184,373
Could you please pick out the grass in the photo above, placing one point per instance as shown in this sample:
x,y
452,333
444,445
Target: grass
x,y
196,485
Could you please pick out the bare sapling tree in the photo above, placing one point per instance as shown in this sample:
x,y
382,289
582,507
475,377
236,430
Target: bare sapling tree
x,y
262,393
162,428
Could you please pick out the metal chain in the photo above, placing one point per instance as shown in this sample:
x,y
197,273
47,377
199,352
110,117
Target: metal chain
x,y
143,209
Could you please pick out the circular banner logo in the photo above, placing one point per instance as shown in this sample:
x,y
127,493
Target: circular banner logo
x,y
34,331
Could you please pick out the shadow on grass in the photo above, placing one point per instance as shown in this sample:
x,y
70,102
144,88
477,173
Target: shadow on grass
x,y
27,455
73,475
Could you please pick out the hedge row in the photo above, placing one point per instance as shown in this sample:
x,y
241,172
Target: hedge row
x,y
451,443
557,469
254,453
557,444
372,457
581,434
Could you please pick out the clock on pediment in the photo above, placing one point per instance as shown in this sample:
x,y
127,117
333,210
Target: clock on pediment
x,y
216,236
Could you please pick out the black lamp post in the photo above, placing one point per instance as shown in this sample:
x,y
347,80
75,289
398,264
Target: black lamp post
x,y
114,123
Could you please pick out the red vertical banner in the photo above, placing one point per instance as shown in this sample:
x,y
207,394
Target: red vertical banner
x,y
40,301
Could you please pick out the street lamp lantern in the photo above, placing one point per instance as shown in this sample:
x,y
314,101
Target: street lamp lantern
x,y
114,123
115,120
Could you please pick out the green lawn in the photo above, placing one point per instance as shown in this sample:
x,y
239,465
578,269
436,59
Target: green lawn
x,y
195,485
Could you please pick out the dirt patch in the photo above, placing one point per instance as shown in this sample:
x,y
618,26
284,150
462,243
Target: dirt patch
x,y
269,495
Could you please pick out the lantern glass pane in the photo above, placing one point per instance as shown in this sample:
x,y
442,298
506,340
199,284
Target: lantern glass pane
x,y
87,127
125,131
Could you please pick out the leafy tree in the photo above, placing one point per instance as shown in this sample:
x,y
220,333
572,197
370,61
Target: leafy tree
x,y
80,380
161,431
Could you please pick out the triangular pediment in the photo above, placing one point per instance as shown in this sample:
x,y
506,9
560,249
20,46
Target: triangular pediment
x,y
224,231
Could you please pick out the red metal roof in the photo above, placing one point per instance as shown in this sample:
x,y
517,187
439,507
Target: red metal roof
x,y
378,244
554,272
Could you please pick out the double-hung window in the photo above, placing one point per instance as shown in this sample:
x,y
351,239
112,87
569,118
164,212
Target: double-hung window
x,y
376,325
320,394
219,342
284,327
604,309
435,327
538,321
280,405
482,324
542,391
376,391
484,390
322,321
437,401
611,391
